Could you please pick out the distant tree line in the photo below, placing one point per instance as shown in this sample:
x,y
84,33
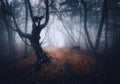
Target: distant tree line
x,y
100,15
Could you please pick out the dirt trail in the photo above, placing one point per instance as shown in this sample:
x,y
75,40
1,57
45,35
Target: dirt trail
x,y
66,67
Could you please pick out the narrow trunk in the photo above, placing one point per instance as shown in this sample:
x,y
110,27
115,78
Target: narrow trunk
x,y
26,22
106,29
38,50
85,24
100,26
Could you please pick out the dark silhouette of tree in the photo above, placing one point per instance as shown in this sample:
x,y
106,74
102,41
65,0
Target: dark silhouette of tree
x,y
85,24
106,28
36,30
90,15
8,23
34,37
100,25
26,25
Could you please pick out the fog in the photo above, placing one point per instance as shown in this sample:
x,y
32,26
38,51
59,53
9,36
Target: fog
x,y
61,30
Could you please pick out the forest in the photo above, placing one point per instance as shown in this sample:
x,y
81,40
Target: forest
x,y
59,41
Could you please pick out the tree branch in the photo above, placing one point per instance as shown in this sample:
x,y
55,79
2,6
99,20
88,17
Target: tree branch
x,y
47,14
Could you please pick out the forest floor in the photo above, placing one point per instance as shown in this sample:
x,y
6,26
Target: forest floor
x,y
67,66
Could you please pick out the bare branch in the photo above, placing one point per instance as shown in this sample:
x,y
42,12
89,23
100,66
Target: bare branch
x,y
47,14
30,9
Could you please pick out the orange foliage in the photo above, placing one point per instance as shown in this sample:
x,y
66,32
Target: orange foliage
x,y
63,60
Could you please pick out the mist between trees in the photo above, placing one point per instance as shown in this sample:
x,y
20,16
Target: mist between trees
x,y
92,25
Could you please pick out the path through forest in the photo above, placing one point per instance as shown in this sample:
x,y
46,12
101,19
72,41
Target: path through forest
x,y
67,66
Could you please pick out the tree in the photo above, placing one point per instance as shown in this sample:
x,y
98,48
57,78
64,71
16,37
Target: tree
x,y
36,30
85,24
26,23
7,21
100,25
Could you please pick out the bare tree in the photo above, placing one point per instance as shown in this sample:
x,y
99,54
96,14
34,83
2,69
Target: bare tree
x,y
85,24
34,37
26,23
7,20
36,30
100,25
106,29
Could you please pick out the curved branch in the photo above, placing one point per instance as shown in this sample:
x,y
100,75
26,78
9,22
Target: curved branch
x,y
101,25
85,24
30,9
46,15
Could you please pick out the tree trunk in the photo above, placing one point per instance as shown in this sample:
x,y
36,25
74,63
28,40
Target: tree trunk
x,y
85,24
26,22
106,29
100,26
